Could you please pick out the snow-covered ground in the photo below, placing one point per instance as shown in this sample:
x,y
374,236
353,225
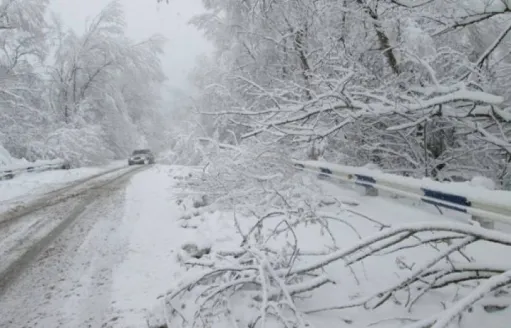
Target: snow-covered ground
x,y
129,247
30,184
229,297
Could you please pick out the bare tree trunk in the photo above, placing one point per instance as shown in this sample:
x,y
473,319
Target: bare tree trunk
x,y
383,39
300,49
387,50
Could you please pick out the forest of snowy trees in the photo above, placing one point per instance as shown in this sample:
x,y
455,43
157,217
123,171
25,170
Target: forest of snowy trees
x,y
419,88
86,98
416,87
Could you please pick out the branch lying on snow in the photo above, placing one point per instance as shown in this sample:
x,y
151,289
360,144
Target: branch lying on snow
x,y
270,281
417,275
254,276
446,317
459,272
430,275
409,231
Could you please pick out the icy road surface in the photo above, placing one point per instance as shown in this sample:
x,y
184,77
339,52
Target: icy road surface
x,y
106,267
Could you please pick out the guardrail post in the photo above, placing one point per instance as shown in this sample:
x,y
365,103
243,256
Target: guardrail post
x,y
368,183
370,191
485,223
325,172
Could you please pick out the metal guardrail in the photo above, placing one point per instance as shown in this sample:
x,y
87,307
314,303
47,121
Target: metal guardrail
x,y
485,206
9,172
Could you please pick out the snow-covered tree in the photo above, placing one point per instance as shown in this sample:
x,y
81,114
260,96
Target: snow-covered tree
x,y
23,47
85,97
394,78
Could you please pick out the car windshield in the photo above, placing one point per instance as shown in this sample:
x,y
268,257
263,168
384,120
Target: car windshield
x,y
141,151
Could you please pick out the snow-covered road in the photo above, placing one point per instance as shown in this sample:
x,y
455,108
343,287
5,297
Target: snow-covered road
x,y
106,266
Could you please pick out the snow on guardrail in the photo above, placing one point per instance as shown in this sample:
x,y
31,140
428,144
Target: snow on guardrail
x,y
11,170
482,204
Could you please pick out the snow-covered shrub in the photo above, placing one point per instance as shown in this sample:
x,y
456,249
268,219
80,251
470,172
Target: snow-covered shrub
x,y
483,182
79,146
5,157
261,187
186,150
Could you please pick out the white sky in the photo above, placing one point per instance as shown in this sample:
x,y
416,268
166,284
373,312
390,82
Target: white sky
x,y
145,18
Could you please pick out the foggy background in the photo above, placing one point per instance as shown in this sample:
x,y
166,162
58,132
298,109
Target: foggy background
x,y
145,18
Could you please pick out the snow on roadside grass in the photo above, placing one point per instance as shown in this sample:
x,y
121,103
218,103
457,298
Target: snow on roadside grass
x,y
347,219
33,184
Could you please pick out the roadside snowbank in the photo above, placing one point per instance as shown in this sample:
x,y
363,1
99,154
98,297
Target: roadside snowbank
x,y
32,184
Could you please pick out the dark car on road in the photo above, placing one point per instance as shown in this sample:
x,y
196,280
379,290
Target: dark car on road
x,y
141,156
